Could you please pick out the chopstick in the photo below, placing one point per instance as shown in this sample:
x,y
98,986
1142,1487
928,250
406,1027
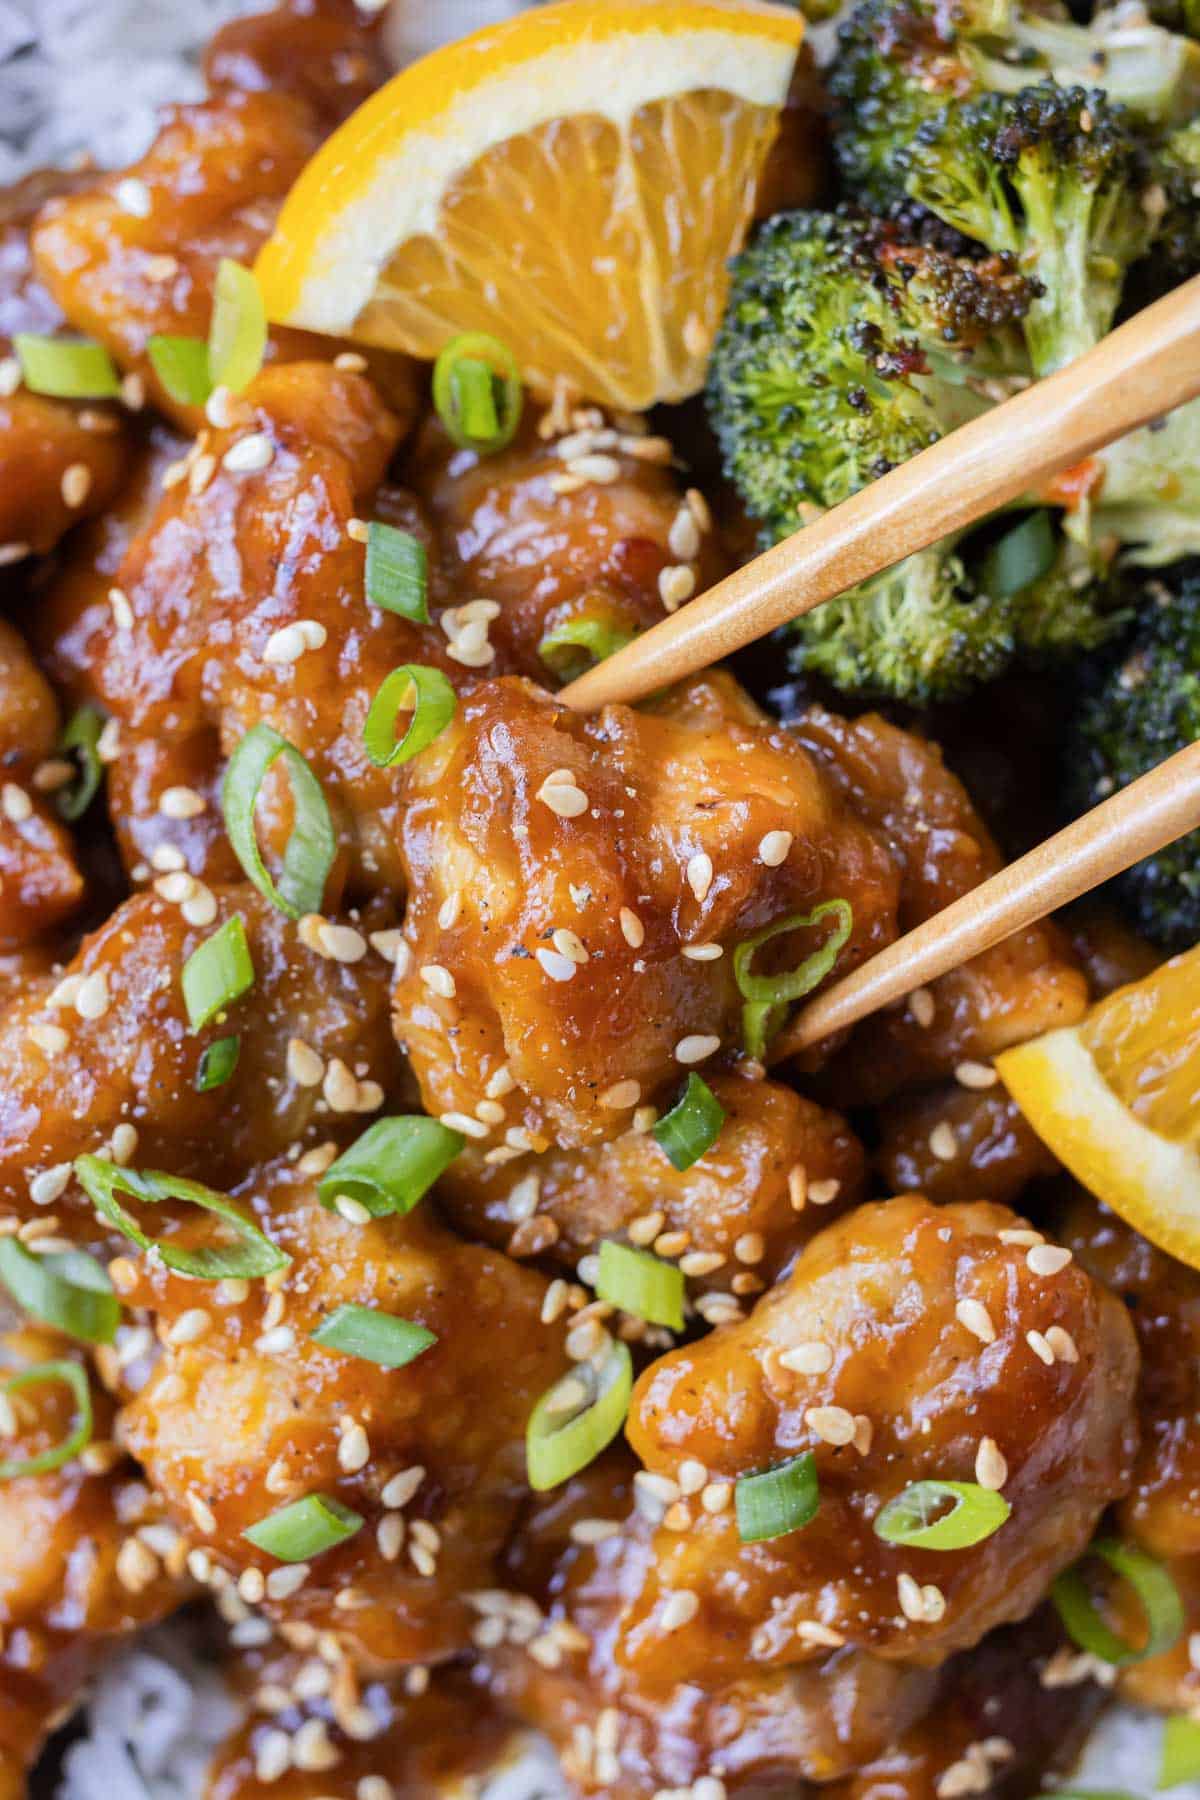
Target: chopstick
x,y
1143,369
1134,823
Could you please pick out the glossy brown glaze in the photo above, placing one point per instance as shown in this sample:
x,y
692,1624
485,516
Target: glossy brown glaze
x,y
40,883
990,1154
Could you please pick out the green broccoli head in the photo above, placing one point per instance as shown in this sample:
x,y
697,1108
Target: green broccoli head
x,y
1140,702
1175,253
1057,178
899,63
844,352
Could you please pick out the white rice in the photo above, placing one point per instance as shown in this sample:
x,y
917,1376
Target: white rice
x,y
88,75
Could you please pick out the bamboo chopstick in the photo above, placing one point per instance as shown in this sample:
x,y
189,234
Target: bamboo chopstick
x,y
1140,371
1141,819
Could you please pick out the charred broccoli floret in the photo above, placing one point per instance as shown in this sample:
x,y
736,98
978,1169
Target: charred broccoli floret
x,y
1146,500
1056,178
844,352
1062,601
1140,703
900,62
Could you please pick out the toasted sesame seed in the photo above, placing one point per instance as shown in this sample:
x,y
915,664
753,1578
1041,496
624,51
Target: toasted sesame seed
x,y
76,484
702,952
358,530
991,1469
810,1358
1047,1259
679,1609
202,1513
133,392
943,1143
402,1486
683,539
601,469
92,999
190,1326
716,1496
1040,1346
12,553
16,803
133,197
699,873
1062,1344
632,929
181,803
696,1048
824,1193
698,1263
389,1535
562,796
798,1187
48,1186
774,847
354,1450
976,1075
676,583
350,362
912,1603
123,1143
201,473
832,1424
621,1095
699,508
136,1566
922,1007
811,1631
51,1040
464,1123
750,1247
283,1583
276,1342
977,1319
645,1229
249,454
439,981
304,1066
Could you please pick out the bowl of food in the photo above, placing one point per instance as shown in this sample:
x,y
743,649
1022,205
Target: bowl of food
x,y
457,1337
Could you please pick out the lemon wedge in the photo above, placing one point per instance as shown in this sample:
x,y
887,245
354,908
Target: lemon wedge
x,y
1117,1099
573,181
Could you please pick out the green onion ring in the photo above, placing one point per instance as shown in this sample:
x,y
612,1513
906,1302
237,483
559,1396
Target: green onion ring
x,y
219,972
68,1290
580,643
397,574
765,995
778,1501
1156,1592
564,1436
641,1284
432,699
312,845
81,735
305,1529
477,392
975,1514
253,1256
80,1435
373,1336
217,1063
692,1126
392,1165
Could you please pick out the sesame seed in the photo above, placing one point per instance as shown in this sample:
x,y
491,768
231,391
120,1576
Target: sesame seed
x,y
774,847
824,1193
921,1006
190,1326
562,796
464,1123
76,484
389,1535
350,362
133,197
699,508
991,1469
283,1583
750,1247
593,1531
683,539
202,1513
401,1488
439,981
811,1358
632,929
358,530
16,803
798,1187
181,803
123,1143
12,553
340,943
977,1319
304,1066
354,1450
1047,1259
943,1143
200,474
832,1424
698,1263
48,1186
676,583
92,998
912,1602
679,1609
621,1095
10,376
276,1342
1040,1346
811,1631
601,469
696,1048
699,873
490,1111
272,1755
702,952
392,947
1062,1344
449,910
558,968
136,1566
51,1040
716,1497
133,392
249,454
200,907
976,1075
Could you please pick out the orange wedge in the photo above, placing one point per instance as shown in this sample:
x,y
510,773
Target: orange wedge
x,y
573,181
1117,1099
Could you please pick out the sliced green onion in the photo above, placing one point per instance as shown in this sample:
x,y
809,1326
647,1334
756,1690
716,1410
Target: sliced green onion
x,y
1156,1593
1180,1751
218,973
777,1501
477,391
377,1337
82,736
217,1063
72,1376
253,1255
578,1418
312,845
912,1518
305,1529
181,364
392,1165
431,698
641,1284
1018,559
578,643
397,574
767,995
68,1290
692,1126
67,368
237,335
